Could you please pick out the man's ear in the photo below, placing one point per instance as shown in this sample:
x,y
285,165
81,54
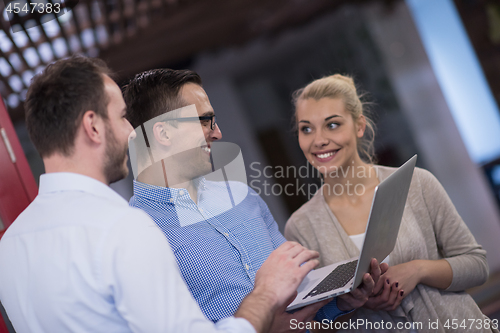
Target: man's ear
x,y
360,126
93,127
161,133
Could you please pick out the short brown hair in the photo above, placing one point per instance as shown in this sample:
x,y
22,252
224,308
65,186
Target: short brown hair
x,y
57,99
152,93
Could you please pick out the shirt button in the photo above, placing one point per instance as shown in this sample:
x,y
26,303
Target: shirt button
x,y
171,200
226,234
201,210
247,267
181,192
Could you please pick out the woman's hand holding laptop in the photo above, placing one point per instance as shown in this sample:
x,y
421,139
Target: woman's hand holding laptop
x,y
359,296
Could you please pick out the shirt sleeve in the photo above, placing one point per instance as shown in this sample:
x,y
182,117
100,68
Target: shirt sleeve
x,y
140,275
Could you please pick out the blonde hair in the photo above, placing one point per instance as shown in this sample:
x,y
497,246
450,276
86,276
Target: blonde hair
x,y
340,86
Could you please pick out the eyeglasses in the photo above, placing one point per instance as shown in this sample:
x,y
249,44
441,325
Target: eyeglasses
x,y
207,121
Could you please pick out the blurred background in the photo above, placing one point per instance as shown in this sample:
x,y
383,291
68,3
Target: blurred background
x,y
430,70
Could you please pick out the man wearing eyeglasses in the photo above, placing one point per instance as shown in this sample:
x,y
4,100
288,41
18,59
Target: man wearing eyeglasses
x,y
218,249
79,259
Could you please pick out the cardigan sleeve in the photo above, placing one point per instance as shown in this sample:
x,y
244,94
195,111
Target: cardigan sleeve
x,y
455,241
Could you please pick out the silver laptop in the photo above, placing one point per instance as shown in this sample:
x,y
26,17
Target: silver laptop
x,y
381,233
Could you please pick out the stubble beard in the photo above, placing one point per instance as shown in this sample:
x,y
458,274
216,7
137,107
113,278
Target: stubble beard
x,y
115,167
188,165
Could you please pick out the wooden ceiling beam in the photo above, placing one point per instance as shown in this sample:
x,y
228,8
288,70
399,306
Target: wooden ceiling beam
x,y
190,28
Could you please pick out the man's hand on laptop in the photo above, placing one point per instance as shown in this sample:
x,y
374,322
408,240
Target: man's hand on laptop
x,y
283,271
358,297
276,282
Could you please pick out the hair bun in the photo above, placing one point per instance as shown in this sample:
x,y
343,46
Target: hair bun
x,y
344,78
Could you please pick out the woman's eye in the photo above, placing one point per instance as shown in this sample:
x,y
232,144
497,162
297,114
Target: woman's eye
x,y
305,130
332,125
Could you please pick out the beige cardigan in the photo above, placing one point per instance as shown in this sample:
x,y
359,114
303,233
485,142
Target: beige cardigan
x,y
430,229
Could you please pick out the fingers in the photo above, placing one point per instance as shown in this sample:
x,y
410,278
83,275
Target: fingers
x,y
307,267
375,270
389,299
384,297
395,299
357,297
365,289
368,284
292,248
284,270
379,302
296,251
394,293
305,259
305,255
379,281
399,299
379,286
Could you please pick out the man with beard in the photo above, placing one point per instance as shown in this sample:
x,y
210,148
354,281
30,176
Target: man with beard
x,y
221,232
79,259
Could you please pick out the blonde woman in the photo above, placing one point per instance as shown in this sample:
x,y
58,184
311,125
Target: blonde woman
x,y
435,258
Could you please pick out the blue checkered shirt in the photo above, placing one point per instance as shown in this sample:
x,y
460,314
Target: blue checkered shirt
x,y
219,243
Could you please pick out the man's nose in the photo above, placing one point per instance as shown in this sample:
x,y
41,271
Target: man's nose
x,y
216,134
132,135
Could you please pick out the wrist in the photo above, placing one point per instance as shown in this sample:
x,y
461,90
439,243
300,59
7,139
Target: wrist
x,y
435,273
420,270
258,308
268,298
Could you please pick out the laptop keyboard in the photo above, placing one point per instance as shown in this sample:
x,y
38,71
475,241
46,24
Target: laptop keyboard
x,y
336,279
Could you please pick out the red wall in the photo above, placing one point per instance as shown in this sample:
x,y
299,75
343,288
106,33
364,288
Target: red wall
x,y
17,185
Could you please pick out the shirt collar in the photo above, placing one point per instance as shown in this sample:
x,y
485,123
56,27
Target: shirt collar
x,y
166,194
67,181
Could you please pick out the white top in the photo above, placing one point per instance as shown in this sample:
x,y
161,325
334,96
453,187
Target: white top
x,y
79,259
359,239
